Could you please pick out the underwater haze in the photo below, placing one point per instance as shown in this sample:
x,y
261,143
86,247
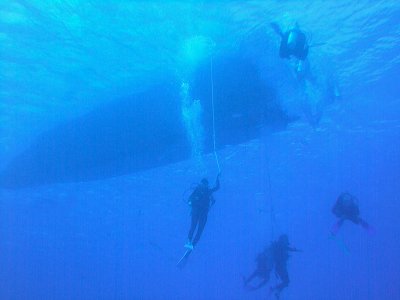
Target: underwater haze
x,y
112,112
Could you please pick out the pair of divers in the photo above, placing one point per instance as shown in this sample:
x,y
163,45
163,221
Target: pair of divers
x,y
274,257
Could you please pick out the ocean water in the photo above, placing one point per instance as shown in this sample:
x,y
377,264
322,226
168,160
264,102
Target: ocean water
x,y
110,111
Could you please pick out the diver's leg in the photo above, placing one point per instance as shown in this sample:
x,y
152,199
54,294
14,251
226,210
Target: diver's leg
x,y
282,272
265,276
250,278
195,220
335,228
200,228
365,225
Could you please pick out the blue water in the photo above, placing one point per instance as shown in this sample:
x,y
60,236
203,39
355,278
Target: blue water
x,y
99,141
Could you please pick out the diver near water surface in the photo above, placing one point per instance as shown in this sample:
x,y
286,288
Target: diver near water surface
x,y
200,201
293,42
346,208
273,257
316,92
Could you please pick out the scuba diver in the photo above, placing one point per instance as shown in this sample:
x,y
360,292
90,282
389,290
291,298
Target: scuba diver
x,y
265,264
315,92
200,201
293,42
346,208
274,256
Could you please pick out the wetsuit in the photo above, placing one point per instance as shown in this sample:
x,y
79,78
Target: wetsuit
x,y
281,255
200,200
276,255
265,264
294,43
346,208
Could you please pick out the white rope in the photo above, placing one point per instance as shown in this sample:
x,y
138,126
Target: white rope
x,y
271,197
272,209
213,116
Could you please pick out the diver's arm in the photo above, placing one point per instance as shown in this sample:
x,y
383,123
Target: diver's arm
x,y
277,29
217,185
294,249
260,285
212,201
336,209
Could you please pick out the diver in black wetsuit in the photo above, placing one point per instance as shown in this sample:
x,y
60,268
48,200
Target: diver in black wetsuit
x,y
281,251
275,256
265,264
293,42
346,208
200,200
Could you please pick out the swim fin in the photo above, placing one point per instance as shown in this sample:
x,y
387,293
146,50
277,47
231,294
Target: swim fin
x,y
184,259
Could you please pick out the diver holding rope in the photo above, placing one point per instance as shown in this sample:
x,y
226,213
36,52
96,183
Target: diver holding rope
x,y
200,202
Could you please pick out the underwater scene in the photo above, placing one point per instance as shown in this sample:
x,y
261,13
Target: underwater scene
x,y
200,149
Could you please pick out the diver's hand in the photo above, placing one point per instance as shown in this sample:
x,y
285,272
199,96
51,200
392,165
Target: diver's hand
x,y
296,250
